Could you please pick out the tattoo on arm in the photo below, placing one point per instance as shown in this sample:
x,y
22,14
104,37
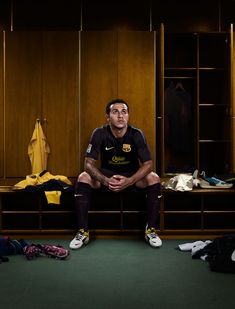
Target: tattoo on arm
x,y
93,171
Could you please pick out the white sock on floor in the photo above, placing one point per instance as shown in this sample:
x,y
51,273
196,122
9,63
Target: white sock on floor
x,y
189,246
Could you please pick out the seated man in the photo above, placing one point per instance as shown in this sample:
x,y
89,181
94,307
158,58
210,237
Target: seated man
x,y
125,162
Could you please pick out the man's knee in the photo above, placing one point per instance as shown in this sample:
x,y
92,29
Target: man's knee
x,y
84,177
152,178
149,180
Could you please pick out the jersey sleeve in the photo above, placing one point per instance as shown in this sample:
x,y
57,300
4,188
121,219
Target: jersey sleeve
x,y
93,148
142,147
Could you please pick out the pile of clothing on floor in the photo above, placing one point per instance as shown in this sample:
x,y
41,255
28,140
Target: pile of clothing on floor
x,y
219,253
10,247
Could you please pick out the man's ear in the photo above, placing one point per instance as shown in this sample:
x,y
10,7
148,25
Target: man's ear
x,y
107,117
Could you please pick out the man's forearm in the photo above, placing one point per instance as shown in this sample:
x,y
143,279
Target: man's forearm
x,y
144,170
94,172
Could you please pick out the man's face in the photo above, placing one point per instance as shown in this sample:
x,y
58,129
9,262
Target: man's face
x,y
118,116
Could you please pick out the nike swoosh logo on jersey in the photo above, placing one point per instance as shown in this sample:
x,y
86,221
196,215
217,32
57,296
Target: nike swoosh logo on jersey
x,y
108,148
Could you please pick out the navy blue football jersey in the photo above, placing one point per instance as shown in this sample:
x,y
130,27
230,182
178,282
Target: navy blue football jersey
x,y
119,155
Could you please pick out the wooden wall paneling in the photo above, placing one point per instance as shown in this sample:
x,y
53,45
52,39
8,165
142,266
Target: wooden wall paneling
x,y
116,15
1,107
227,14
5,14
136,82
187,16
46,15
22,98
98,81
60,100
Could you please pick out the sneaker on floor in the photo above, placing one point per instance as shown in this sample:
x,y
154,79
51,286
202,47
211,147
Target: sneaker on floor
x,y
152,238
79,240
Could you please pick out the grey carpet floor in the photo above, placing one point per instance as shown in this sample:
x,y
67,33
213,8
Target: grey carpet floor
x,y
115,273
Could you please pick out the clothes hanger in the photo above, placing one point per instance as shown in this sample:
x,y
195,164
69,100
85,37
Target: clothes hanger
x,y
179,86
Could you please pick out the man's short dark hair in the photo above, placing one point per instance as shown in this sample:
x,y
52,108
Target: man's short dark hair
x,y
114,101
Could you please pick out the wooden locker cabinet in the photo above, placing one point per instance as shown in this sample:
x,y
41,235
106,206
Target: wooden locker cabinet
x,y
60,100
47,77
29,213
23,84
41,81
214,103
198,212
200,63
124,68
194,213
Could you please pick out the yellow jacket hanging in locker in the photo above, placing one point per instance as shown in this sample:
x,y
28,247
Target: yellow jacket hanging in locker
x,y
38,149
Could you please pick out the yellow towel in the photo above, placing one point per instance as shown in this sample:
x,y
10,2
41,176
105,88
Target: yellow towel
x,y
38,149
53,197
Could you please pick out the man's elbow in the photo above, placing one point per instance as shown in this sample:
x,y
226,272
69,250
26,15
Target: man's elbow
x,y
149,165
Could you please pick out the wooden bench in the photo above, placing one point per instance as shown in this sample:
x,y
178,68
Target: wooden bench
x,y
29,213
197,212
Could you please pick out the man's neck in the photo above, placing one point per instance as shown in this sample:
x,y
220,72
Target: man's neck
x,y
118,133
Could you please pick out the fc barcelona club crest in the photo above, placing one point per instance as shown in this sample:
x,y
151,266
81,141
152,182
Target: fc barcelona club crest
x,y
126,147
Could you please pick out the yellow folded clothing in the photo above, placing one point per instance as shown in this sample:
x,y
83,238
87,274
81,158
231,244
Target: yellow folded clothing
x,y
53,197
38,179
48,176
